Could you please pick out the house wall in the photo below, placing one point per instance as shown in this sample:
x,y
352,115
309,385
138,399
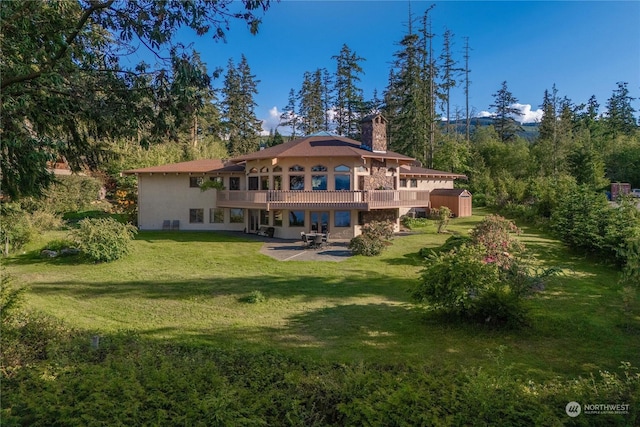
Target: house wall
x,y
424,184
169,197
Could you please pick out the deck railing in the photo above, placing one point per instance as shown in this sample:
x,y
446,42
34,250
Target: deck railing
x,y
374,199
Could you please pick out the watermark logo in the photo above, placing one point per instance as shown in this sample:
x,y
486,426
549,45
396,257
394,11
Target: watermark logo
x,y
573,409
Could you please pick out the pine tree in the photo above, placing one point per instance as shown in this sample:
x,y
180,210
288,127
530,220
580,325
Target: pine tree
x,y
620,119
241,125
290,117
450,73
349,100
504,124
311,103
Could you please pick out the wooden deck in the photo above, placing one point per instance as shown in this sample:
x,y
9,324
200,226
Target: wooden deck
x,y
361,200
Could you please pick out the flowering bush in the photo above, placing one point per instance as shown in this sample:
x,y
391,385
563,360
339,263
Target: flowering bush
x,y
496,235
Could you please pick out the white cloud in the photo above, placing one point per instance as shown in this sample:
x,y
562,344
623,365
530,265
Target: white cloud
x,y
527,116
271,122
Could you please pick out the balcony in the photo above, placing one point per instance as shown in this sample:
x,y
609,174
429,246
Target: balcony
x,y
361,200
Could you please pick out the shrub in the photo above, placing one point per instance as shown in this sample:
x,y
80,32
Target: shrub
x,y
453,242
374,238
495,234
454,280
443,217
15,228
104,239
44,220
255,297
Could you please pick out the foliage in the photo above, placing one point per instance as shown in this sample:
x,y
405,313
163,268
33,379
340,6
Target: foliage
x,y
104,239
495,234
67,194
374,238
585,221
255,297
239,120
211,184
349,101
65,89
170,384
443,217
15,227
10,298
481,276
414,223
454,280
503,104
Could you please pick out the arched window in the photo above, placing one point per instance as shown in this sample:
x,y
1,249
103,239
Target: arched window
x,y
296,168
253,170
277,169
319,168
342,168
264,169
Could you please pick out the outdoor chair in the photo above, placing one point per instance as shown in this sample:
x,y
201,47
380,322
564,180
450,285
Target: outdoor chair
x,y
303,236
175,225
166,224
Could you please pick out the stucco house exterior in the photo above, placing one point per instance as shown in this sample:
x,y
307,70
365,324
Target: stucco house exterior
x,y
320,182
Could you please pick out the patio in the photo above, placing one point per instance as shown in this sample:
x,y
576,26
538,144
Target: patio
x,y
294,250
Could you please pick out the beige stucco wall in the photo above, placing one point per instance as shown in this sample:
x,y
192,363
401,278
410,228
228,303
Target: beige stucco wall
x,y
169,197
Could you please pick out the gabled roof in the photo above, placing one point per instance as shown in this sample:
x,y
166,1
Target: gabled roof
x,y
319,146
411,170
449,192
193,166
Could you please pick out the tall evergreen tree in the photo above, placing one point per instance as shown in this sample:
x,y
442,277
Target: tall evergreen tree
x,y
349,99
620,119
327,97
555,132
504,124
311,103
290,116
241,124
450,71
467,84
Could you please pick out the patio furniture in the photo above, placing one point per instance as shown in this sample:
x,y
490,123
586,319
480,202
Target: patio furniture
x,y
175,225
318,240
166,224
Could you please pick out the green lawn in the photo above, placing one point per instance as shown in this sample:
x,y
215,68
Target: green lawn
x,y
189,287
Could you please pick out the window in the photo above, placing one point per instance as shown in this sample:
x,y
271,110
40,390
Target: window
x,y
253,170
296,182
318,182
414,183
319,168
264,169
196,216
253,183
342,182
277,169
403,182
342,218
277,182
296,168
236,215
216,215
264,182
195,181
217,179
296,218
341,168
264,217
277,218
234,183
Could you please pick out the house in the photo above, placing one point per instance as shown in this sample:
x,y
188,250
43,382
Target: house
x,y
319,182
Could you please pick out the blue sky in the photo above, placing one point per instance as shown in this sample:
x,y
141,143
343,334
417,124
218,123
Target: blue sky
x,y
584,47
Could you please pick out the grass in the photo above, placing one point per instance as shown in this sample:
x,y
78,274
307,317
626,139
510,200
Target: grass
x,y
192,288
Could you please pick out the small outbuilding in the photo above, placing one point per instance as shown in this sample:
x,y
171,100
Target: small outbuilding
x,y
456,199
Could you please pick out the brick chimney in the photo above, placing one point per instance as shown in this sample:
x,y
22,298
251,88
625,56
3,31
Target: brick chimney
x,y
374,133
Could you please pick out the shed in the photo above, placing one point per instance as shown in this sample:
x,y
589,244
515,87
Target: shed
x,y
456,199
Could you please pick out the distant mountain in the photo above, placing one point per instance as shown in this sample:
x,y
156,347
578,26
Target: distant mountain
x,y
530,131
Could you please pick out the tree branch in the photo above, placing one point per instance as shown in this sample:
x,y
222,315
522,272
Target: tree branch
x,y
95,6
